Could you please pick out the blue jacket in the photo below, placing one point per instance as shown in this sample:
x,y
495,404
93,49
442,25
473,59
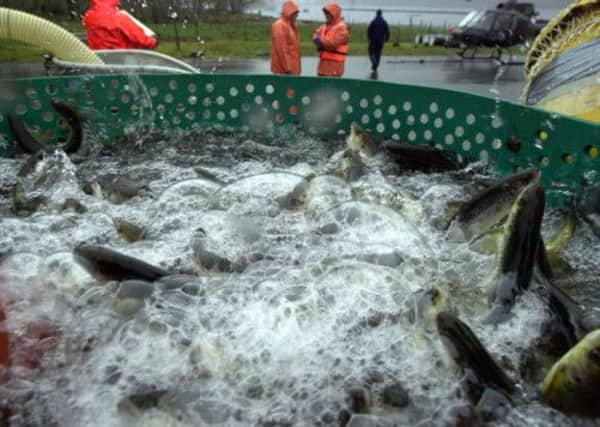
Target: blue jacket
x,y
378,32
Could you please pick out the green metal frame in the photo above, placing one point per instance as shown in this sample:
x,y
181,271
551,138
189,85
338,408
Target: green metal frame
x,y
118,107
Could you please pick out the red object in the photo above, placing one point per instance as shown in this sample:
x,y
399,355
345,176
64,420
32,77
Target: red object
x,y
285,42
108,27
334,38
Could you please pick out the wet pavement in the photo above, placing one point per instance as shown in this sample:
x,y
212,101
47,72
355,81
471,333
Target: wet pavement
x,y
480,76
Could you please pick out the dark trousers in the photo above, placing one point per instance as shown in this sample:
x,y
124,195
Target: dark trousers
x,y
375,55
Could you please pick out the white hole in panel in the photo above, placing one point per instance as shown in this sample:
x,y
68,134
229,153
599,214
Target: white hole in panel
x,y
220,100
484,156
245,107
449,139
407,106
438,123
125,98
424,118
160,108
258,99
153,91
209,87
249,88
192,100
176,121
396,123
433,107
496,144
233,113
221,115
172,84
428,135
341,132
233,91
479,138
363,103
439,146
36,104
206,114
275,104
410,120
349,109
380,127
466,145
396,137
450,113
392,109
377,99
305,100
497,122
470,119
377,113
459,131
191,87
412,135
269,89
206,102
338,118
345,96
168,98
48,116
190,115
180,108
364,119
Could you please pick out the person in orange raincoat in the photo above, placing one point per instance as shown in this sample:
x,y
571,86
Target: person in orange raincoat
x,y
331,39
285,42
108,27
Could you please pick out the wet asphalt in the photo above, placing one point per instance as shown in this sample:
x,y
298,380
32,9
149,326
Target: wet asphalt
x,y
480,76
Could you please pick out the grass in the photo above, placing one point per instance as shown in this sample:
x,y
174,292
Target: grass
x,y
243,36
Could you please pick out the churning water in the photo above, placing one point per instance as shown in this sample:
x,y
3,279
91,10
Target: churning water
x,y
319,315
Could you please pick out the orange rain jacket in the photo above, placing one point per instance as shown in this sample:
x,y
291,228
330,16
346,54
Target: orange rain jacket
x,y
108,27
334,39
285,42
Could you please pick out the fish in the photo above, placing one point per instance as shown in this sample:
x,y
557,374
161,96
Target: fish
x,y
422,158
117,189
518,253
360,140
490,207
106,264
469,354
573,382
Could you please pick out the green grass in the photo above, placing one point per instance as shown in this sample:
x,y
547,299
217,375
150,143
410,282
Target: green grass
x,y
242,36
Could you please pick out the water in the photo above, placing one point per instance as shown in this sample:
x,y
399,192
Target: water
x,y
404,12
317,310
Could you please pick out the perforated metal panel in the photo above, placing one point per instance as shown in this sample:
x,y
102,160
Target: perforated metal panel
x,y
116,107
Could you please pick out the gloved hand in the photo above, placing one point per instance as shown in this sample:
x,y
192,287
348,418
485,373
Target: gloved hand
x,y
318,44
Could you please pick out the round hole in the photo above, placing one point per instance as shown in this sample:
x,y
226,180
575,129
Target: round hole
x,y
190,115
206,114
36,104
160,108
135,109
293,110
233,113
479,138
207,102
48,116
210,87
176,120
568,158
349,109
279,118
470,119
111,95
192,100
433,107
484,156
21,109
410,120
407,106
172,84
514,144
233,91
377,113
544,161
377,99
424,118
245,107
363,103
380,127
115,83
275,105
459,131
364,119
438,123
180,108
412,135
250,88
449,139
497,122
258,100
496,144
31,93
450,113
396,123
51,89
125,98
114,110
269,89
338,119
466,145
220,100
191,87
290,93
396,137
392,109
345,96
427,135
153,91
592,151
220,116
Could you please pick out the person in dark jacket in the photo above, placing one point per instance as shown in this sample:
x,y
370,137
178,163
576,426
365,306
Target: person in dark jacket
x,y
378,33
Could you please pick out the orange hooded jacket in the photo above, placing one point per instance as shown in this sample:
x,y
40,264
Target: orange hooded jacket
x,y
334,41
108,27
285,42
